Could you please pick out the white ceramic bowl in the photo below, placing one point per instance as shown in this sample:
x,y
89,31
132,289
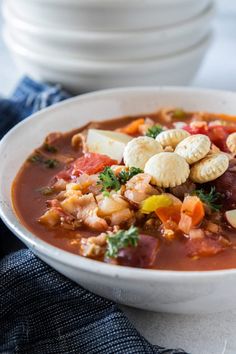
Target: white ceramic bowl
x,y
82,76
169,291
107,14
97,45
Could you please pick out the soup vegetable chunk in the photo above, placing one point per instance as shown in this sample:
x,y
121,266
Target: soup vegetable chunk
x,y
156,191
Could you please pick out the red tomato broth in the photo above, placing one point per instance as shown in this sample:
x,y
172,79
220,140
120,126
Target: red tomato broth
x,y
30,204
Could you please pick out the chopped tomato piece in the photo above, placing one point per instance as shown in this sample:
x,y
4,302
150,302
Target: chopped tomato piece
x,y
132,128
91,163
192,213
230,129
142,256
196,130
217,133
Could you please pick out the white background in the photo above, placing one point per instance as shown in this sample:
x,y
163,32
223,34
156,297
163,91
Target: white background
x,y
208,334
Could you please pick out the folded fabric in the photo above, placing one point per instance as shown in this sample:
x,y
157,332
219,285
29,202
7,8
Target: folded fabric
x,y
40,310
28,98
43,312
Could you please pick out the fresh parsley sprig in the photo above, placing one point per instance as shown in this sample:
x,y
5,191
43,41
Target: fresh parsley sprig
x,y
124,176
154,131
121,239
109,181
211,199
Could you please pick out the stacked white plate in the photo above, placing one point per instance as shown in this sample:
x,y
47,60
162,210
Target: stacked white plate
x,y
94,44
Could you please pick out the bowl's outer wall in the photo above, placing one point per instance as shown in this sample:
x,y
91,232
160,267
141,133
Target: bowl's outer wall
x,y
84,76
108,15
155,290
183,297
114,45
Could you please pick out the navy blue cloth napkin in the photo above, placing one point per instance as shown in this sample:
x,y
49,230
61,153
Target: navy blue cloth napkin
x,y
40,310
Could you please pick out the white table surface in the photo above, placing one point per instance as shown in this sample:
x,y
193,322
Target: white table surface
x,y
208,334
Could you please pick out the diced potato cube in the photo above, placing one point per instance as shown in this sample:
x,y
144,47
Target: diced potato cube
x,y
73,186
71,204
50,218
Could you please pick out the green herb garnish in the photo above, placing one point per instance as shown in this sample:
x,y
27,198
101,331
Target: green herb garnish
x,y
179,114
125,176
121,239
51,163
35,158
210,199
108,180
154,131
49,148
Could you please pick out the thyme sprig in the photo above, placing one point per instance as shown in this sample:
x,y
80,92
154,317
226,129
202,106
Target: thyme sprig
x,y
211,199
121,239
49,148
38,158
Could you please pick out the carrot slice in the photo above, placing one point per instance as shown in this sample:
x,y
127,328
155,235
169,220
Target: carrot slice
x,y
132,128
185,223
171,213
192,213
222,116
193,206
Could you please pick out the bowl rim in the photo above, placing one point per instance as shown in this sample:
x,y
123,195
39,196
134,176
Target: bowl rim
x,y
15,21
89,265
75,64
106,1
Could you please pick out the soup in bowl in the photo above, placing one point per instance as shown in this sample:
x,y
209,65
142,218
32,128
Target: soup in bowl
x,y
137,207
154,191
